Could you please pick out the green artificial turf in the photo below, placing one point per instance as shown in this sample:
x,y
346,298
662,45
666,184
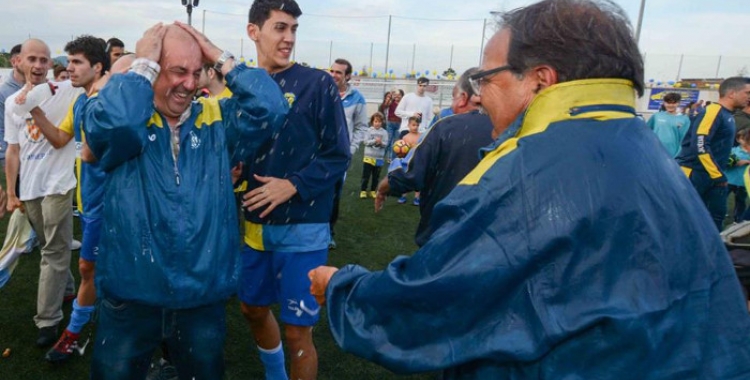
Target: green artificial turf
x,y
363,237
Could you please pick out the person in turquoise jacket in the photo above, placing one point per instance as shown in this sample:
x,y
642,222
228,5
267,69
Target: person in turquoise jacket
x,y
561,255
670,127
169,252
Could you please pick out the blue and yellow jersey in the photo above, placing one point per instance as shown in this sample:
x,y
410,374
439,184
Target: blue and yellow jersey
x,y
226,93
311,150
90,188
709,143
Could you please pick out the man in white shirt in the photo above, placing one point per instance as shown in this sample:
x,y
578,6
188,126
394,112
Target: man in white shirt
x,y
416,104
46,187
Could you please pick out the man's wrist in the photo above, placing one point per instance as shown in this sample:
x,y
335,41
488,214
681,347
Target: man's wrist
x,y
146,68
224,59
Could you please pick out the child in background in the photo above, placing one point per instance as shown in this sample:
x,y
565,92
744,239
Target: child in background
x,y
376,140
739,159
412,139
669,126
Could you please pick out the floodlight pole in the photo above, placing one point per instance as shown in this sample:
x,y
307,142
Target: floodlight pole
x,y
640,22
190,4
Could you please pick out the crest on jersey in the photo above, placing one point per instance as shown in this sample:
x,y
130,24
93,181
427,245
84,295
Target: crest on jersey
x,y
290,97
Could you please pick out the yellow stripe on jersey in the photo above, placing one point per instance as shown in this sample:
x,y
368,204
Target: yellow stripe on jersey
x,y
688,171
67,123
254,236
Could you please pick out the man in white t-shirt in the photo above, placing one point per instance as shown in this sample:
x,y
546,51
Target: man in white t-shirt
x,y
416,104
46,187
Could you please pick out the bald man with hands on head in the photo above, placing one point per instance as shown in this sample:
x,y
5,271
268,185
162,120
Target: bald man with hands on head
x,y
170,252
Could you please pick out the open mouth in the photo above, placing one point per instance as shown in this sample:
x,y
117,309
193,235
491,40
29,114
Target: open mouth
x,y
286,52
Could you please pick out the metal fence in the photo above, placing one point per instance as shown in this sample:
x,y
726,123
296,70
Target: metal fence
x,y
395,47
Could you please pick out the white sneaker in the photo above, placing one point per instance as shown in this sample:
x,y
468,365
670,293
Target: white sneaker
x,y
75,245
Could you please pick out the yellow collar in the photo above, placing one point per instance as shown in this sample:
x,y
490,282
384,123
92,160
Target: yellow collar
x,y
570,100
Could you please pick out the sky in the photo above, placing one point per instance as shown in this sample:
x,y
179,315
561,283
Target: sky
x,y
680,39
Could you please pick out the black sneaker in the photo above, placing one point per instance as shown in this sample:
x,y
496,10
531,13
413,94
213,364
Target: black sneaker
x,y
47,336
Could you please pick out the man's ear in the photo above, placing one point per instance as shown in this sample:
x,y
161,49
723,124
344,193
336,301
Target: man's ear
x,y
252,31
98,68
545,76
465,100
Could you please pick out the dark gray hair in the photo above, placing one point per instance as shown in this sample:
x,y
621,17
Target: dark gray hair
x,y
732,84
580,39
463,82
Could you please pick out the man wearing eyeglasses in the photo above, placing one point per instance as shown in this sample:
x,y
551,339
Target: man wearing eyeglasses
x,y
575,249
416,104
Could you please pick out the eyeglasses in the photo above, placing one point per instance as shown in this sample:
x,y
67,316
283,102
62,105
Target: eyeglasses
x,y
476,80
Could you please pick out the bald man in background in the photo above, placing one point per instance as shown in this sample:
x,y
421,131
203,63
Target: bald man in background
x,y
46,186
170,252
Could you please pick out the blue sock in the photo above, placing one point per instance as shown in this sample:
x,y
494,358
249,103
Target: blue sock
x,y
79,317
273,362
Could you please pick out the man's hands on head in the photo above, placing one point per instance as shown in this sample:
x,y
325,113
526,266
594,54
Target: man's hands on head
x,y
149,46
211,52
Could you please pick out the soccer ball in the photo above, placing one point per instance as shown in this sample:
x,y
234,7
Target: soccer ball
x,y
401,148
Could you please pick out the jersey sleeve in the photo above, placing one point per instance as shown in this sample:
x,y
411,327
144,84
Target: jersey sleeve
x,y
67,123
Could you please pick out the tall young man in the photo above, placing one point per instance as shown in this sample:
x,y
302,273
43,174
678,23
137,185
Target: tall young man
x,y
288,209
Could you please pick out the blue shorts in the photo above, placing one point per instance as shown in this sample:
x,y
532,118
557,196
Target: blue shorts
x,y
270,277
92,232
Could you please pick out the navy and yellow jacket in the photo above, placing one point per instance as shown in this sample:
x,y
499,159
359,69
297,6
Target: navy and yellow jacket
x,y
709,142
311,149
170,237
575,249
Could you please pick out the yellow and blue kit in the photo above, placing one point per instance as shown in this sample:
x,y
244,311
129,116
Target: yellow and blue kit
x,y
575,249
707,146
